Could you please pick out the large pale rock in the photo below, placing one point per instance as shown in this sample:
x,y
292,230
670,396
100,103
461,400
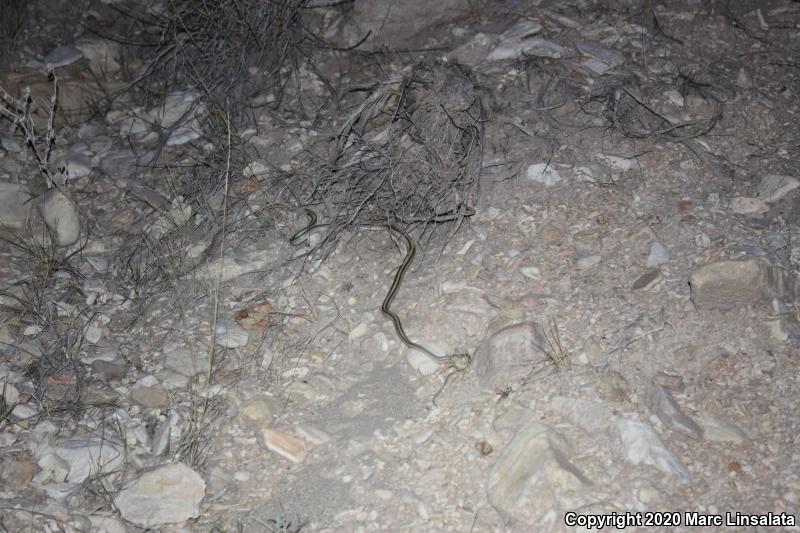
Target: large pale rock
x,y
82,458
534,476
508,355
170,494
666,408
639,444
61,216
729,284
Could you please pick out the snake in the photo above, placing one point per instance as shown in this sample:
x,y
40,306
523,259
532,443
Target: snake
x,y
454,363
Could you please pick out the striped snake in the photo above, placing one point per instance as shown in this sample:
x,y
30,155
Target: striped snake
x,y
456,363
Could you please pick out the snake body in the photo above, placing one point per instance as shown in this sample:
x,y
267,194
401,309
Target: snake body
x,y
455,363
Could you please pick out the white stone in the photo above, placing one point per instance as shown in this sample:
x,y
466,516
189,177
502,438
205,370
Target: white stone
x,y
745,205
543,173
658,255
716,429
230,334
88,457
422,362
61,216
170,494
639,444
61,57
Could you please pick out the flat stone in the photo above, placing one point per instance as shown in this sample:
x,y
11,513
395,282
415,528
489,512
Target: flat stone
x,y
746,205
102,55
658,255
61,57
728,284
666,408
543,173
639,444
514,48
110,371
17,472
230,334
186,362
588,261
647,280
610,57
534,475
285,445
170,494
261,409
717,429
506,358
89,456
152,397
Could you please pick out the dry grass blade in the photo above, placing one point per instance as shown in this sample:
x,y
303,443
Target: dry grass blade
x,y
554,349
409,153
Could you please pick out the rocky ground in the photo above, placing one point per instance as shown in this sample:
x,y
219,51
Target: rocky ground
x,y
625,288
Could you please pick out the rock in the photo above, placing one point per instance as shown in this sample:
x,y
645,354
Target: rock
x,y
170,494
61,57
658,255
745,205
151,397
666,408
255,317
83,457
588,261
179,114
514,48
185,361
508,355
534,476
61,217
728,284
601,59
719,430
120,164
230,334
640,445
774,187
283,444
110,371
17,472
8,393
13,204
588,415
93,334
543,173
261,409
648,280
78,164
102,55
